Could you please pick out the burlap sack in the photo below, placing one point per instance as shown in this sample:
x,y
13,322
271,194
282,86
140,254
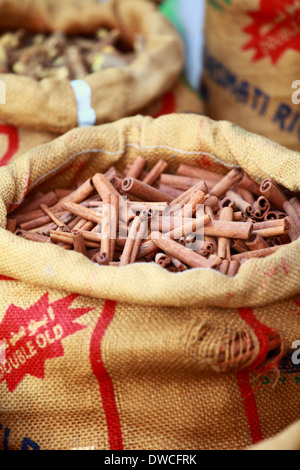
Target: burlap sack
x,y
180,99
113,358
251,63
50,105
16,141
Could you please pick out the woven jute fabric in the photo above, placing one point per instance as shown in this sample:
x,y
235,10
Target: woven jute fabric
x,y
50,105
127,358
14,141
251,62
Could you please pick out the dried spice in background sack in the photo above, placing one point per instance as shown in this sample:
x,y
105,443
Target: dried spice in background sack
x,y
252,66
86,366
35,111
57,56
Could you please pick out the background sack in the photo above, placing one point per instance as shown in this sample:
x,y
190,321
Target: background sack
x,y
16,141
251,61
50,105
140,371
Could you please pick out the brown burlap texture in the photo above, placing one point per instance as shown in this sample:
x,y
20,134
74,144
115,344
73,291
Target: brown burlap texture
x,y
251,61
16,141
50,105
140,371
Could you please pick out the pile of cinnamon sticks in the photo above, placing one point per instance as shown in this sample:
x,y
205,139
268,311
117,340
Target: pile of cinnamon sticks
x,y
57,56
193,219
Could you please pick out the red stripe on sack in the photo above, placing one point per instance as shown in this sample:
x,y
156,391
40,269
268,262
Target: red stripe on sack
x,y
105,383
243,378
13,142
168,105
4,278
262,333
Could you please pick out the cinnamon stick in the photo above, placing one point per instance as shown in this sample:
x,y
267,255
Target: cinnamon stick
x,y
155,173
185,255
140,189
271,191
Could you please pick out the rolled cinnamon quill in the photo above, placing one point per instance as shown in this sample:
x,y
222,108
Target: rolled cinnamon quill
x,y
34,237
172,192
269,224
233,268
155,173
53,217
246,195
296,204
184,197
186,256
78,242
226,214
129,245
271,191
180,182
11,225
45,220
243,205
142,231
294,233
84,212
256,242
289,208
219,228
234,176
137,167
101,259
30,216
240,246
103,186
48,199
178,264
63,237
224,266
249,184
163,260
194,172
274,231
256,254
81,194
145,191
271,215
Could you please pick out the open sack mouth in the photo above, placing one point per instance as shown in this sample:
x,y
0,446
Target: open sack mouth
x,y
139,227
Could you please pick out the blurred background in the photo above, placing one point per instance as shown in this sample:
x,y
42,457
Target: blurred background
x,y
188,16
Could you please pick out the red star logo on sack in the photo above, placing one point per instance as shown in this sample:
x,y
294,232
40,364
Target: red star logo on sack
x,y
28,338
274,30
